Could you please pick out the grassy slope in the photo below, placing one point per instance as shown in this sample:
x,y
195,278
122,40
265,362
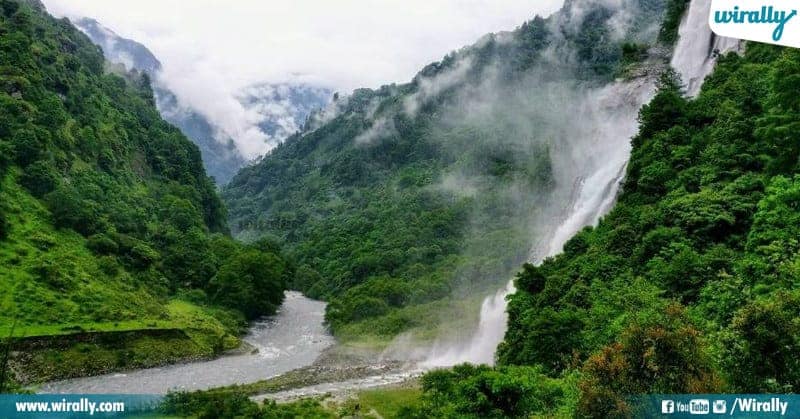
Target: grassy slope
x,y
86,299
388,403
110,230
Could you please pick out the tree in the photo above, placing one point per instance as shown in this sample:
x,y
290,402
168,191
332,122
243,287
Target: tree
x,y
252,282
780,126
775,234
187,258
763,345
552,339
669,26
663,354
27,148
666,110
6,157
679,269
468,391
71,211
180,213
3,223
40,178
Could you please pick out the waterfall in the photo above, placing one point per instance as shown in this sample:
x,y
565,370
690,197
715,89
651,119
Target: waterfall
x,y
592,169
589,169
698,47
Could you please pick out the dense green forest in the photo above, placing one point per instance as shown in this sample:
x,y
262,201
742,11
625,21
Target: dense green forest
x,y
403,196
108,221
688,286
390,205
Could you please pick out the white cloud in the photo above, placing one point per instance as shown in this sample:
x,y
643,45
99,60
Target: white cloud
x,y
380,129
212,49
432,87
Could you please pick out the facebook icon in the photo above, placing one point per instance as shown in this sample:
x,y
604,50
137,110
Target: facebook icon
x,y
667,406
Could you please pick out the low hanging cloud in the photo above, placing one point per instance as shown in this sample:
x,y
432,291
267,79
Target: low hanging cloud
x,y
380,129
430,87
212,51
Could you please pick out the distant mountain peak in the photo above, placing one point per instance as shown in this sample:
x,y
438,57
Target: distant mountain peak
x,y
282,108
133,55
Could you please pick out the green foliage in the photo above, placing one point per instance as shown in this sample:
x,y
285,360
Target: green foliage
x,y
251,281
778,127
69,210
775,234
672,20
702,242
468,391
40,178
106,212
762,345
663,355
384,207
26,147
3,225
230,405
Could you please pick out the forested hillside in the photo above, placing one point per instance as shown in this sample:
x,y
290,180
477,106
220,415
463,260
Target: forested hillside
x,y
220,158
396,198
108,222
279,108
688,286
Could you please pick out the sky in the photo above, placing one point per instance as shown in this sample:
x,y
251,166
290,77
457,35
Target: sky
x,y
211,49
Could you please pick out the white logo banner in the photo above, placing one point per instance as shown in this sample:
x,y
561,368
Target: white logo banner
x,y
770,21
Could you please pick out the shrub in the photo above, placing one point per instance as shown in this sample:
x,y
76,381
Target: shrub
x,y
4,224
763,345
252,282
26,146
102,244
71,211
40,178
469,391
664,354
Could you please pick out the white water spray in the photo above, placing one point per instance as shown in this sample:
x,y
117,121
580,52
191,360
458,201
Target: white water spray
x,y
594,167
588,167
698,47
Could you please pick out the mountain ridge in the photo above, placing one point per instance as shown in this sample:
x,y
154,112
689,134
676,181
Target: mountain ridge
x,y
424,175
109,225
282,108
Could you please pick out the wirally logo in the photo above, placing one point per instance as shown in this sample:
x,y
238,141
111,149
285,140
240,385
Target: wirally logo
x,y
771,21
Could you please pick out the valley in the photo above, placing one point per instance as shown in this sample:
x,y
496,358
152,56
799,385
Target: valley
x,y
600,203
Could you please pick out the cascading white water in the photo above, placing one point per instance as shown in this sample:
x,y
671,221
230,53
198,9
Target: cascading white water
x,y
589,166
481,347
595,168
698,47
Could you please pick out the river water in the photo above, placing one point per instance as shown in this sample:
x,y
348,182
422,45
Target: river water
x,y
296,336
292,338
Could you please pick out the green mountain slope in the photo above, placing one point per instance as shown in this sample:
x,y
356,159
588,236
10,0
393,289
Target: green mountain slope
x,y
403,196
688,286
106,213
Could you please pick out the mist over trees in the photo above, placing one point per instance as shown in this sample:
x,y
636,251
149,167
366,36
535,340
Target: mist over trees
x,y
397,198
399,201
687,286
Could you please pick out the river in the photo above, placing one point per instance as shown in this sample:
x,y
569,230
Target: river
x,y
296,337
293,338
